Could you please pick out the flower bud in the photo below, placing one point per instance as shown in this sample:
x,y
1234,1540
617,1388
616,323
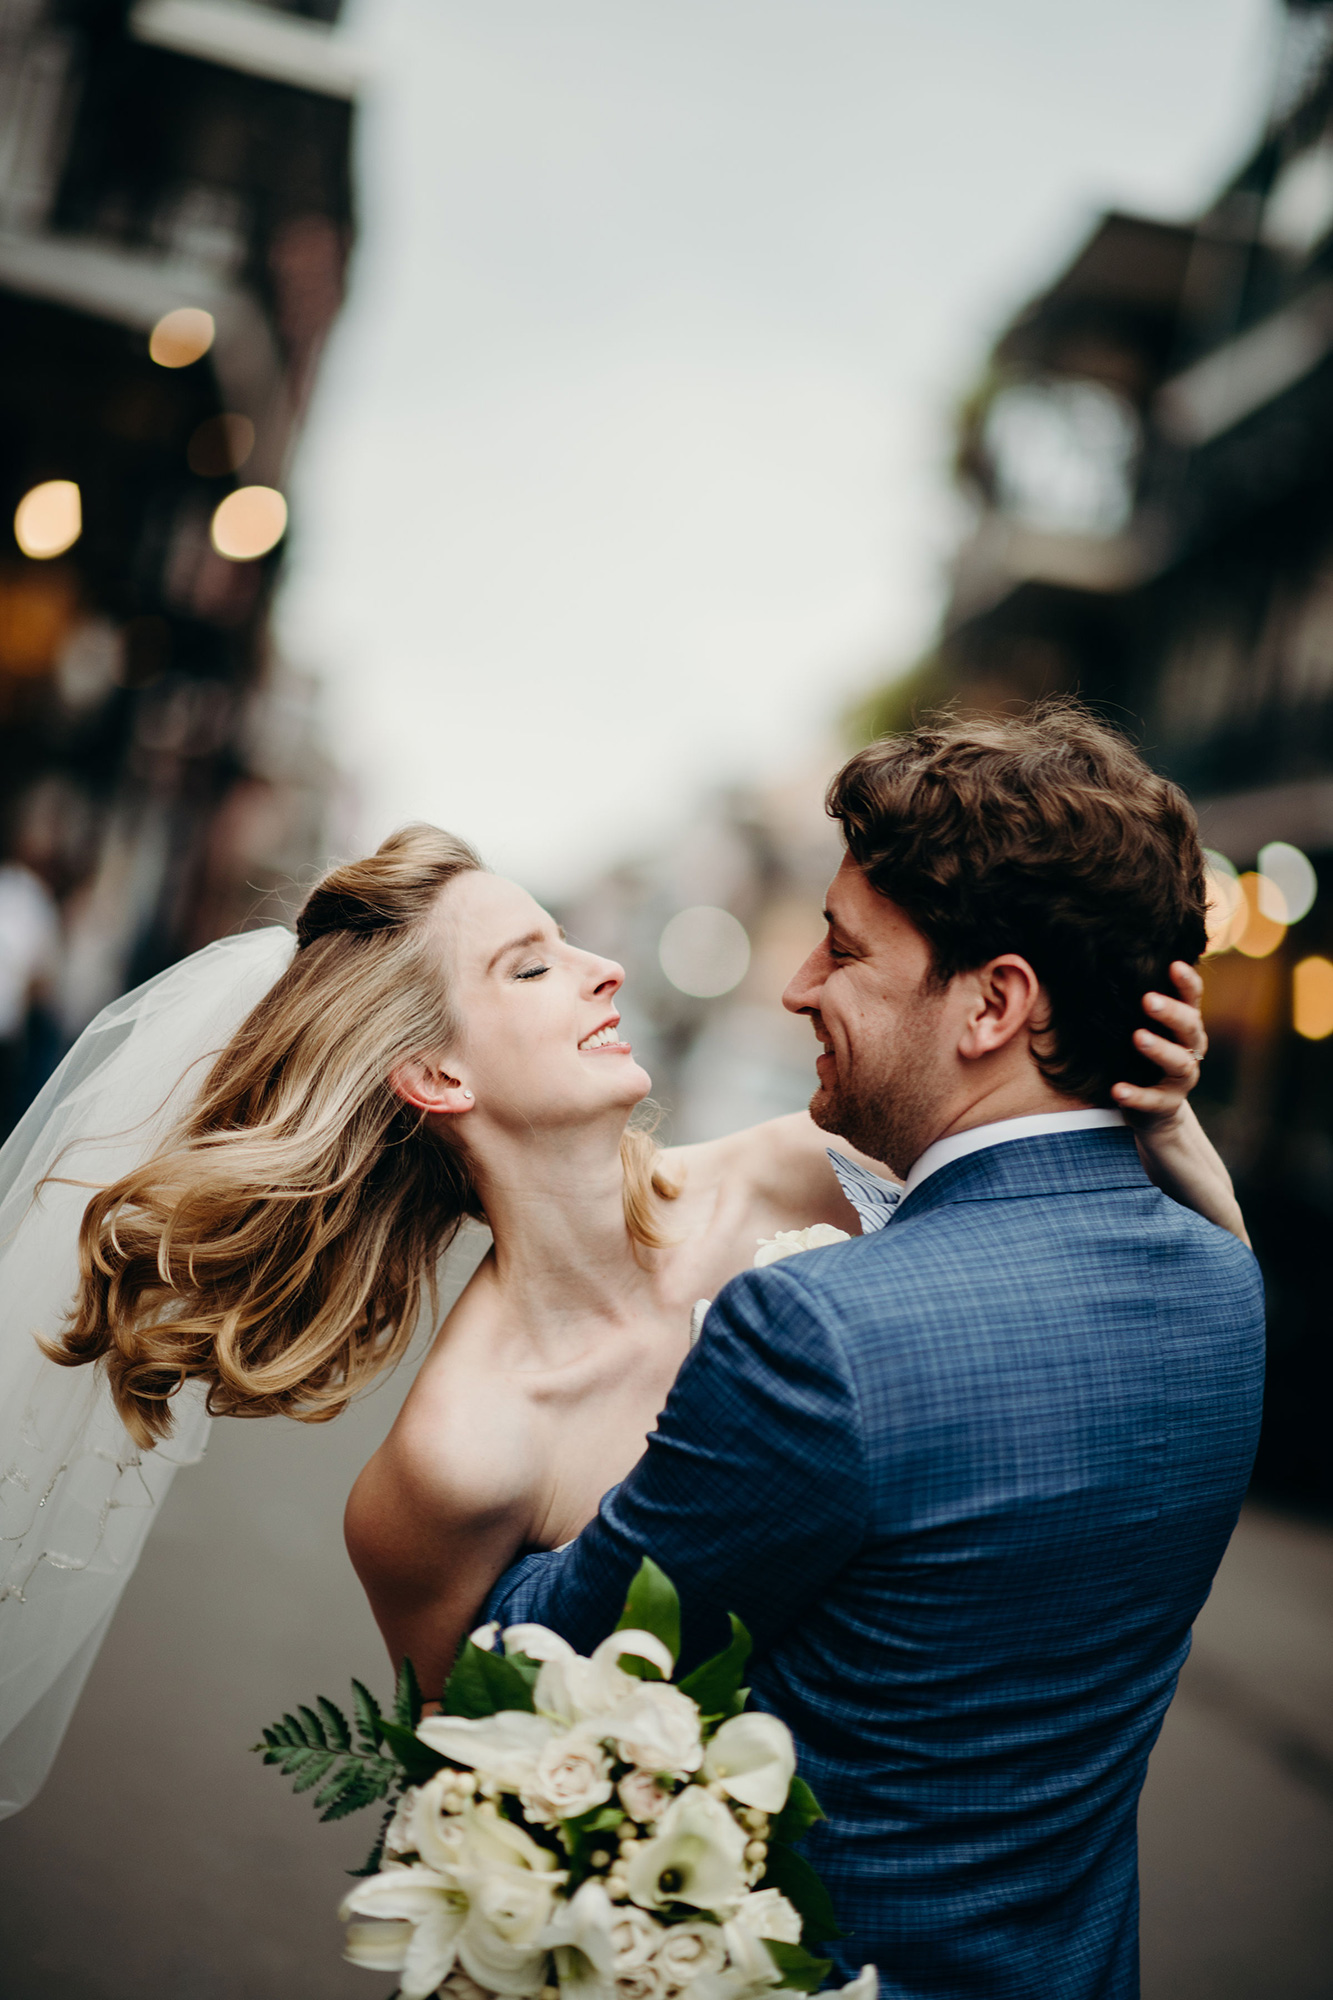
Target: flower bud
x,y
756,1851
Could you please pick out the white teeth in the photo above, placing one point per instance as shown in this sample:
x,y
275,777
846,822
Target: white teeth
x,y
605,1037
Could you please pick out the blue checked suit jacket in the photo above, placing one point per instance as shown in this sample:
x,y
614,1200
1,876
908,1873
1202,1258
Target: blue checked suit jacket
x,y
967,1481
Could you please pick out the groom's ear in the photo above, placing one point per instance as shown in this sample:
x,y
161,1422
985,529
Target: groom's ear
x,y
1005,999
427,1083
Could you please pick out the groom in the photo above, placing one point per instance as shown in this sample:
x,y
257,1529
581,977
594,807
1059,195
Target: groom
x,y
968,1480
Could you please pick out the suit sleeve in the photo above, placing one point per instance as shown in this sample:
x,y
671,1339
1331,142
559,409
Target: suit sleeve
x,y
751,1495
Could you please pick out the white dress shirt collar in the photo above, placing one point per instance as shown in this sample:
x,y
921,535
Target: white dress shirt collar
x,y
1036,1126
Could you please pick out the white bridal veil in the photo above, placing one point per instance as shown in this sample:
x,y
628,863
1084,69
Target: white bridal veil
x,y
76,1496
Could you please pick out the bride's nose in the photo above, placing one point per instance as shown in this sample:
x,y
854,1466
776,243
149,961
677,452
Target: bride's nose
x,y
605,977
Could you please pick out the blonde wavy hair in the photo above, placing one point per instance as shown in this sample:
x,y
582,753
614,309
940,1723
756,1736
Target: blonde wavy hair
x,y
279,1244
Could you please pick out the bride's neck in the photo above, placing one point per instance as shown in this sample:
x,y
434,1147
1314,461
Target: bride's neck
x,y
555,1205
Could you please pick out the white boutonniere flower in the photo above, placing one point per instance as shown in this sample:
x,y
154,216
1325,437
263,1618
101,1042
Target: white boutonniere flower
x,y
791,1242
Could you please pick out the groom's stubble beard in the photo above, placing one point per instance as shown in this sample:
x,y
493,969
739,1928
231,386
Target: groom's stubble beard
x,y
889,1103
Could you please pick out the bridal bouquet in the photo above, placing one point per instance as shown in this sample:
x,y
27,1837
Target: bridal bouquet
x,y
576,1829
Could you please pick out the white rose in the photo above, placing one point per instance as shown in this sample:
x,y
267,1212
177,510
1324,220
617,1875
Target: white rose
x,y
753,1756
634,1937
640,1982
688,1950
643,1798
571,1776
790,1242
503,1747
398,1834
766,1913
657,1728
696,1856
415,1899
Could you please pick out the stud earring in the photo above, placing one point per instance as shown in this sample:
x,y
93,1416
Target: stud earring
x,y
468,1095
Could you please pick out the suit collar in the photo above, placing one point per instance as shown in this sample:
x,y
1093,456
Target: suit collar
x,y
1055,1163
999,1132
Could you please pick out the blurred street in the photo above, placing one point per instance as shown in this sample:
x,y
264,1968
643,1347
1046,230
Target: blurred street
x,y
161,1861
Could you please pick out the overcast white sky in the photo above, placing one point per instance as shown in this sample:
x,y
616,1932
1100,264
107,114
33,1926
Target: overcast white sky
x,y
628,461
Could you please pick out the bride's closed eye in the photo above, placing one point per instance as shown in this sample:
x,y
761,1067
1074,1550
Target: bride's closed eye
x,y
532,972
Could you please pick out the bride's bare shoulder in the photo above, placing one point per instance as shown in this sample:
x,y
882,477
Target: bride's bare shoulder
x,y
783,1163
457,1461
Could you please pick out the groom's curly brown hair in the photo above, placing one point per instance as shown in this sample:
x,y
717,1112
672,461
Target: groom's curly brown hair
x,y
1044,834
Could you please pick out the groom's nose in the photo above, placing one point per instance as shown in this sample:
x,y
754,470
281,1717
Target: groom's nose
x,y
803,989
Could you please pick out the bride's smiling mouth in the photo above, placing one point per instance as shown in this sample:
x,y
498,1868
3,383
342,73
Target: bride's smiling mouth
x,y
604,1040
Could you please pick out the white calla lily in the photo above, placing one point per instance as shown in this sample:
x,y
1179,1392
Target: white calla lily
x,y
696,1856
504,1746
434,1909
754,1757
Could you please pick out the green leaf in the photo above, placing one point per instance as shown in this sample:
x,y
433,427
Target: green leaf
x,y
340,1736
407,1697
715,1686
417,1759
314,1728
798,1815
801,1970
791,1872
371,1865
368,1718
314,1770
483,1683
653,1606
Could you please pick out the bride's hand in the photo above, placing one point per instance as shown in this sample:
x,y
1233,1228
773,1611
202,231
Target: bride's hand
x,y
1176,1151
1177,1044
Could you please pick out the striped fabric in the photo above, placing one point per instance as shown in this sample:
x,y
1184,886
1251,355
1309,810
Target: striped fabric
x,y
967,1480
874,1199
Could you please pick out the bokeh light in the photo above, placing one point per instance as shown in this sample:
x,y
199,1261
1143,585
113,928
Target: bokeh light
x,y
1292,873
220,445
249,522
49,519
704,952
1312,999
1226,909
1265,923
181,337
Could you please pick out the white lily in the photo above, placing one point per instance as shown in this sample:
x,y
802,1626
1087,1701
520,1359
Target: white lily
x,y
587,1924
504,1747
415,1900
571,1689
754,1757
696,1856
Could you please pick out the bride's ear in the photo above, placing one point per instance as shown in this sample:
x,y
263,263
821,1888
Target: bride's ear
x,y
429,1086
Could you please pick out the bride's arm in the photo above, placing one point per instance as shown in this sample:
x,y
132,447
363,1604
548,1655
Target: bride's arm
x,y
428,1532
1176,1151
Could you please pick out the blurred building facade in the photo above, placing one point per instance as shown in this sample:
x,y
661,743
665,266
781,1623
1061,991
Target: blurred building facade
x,y
176,217
1149,459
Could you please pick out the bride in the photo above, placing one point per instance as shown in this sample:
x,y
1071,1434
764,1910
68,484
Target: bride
x,y
432,1049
